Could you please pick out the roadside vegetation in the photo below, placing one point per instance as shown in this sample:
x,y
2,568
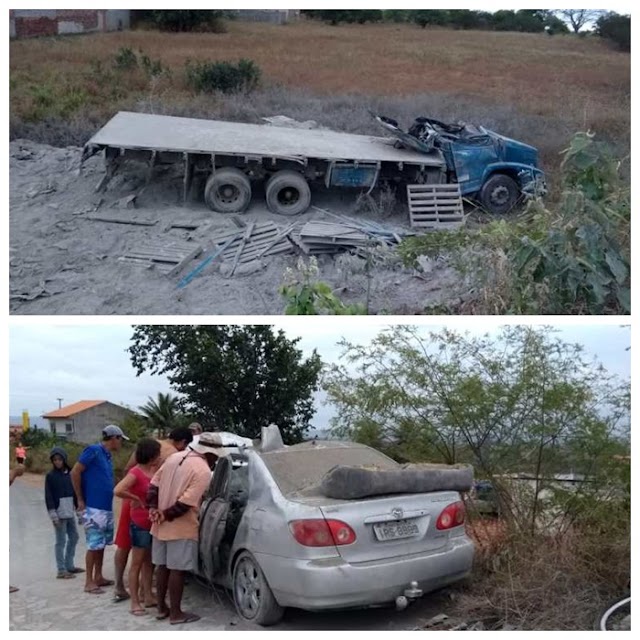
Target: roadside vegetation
x,y
525,402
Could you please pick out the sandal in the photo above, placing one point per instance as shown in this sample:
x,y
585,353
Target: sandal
x,y
106,583
188,617
95,590
14,589
121,597
138,612
163,615
76,570
64,575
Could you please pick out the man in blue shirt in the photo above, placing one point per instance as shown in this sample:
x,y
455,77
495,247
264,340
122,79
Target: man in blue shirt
x,y
93,481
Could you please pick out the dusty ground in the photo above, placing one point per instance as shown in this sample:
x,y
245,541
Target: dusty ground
x,y
44,603
63,263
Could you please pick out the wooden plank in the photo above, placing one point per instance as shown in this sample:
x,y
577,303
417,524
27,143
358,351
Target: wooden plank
x,y
185,260
282,235
121,220
245,237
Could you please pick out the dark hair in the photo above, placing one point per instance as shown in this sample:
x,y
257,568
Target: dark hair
x,y
147,450
181,433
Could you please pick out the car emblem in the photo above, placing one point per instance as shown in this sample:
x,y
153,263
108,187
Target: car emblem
x,y
397,513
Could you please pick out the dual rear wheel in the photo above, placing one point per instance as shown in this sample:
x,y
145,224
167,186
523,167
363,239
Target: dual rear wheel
x,y
228,190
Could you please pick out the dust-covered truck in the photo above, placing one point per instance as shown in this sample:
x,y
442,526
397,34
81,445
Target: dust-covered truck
x,y
489,168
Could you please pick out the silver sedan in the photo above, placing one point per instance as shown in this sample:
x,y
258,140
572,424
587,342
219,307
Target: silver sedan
x,y
268,535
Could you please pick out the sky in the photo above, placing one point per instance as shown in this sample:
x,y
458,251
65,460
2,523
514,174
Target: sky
x,y
90,362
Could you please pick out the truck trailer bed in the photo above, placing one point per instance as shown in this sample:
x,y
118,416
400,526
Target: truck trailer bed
x,y
142,131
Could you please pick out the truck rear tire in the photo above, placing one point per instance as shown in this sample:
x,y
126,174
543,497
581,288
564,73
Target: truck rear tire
x,y
288,193
499,194
228,190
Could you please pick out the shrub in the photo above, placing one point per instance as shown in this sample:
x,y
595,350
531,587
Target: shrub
x,y
125,59
615,28
224,76
188,20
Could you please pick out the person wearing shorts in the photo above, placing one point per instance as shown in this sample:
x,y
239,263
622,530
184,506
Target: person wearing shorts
x,y
178,440
174,498
93,480
133,488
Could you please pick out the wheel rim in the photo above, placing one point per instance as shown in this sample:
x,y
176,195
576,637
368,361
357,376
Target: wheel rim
x,y
247,588
288,196
500,196
227,193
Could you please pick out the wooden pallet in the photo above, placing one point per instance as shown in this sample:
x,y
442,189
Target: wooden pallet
x,y
256,241
167,256
435,206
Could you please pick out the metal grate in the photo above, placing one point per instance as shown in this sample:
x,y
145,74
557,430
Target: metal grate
x,y
435,206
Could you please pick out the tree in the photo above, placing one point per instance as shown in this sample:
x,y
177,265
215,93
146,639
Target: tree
x,y
424,17
524,401
234,378
162,414
578,18
616,28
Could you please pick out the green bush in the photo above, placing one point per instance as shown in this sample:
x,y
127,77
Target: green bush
x,y
224,76
125,59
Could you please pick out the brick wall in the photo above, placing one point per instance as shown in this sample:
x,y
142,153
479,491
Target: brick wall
x,y
32,23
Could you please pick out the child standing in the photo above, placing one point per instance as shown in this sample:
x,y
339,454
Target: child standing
x,y
61,505
134,487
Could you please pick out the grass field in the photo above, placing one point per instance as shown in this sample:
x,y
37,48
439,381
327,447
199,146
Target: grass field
x,y
532,86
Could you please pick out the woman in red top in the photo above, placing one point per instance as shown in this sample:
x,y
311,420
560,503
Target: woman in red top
x,y
134,487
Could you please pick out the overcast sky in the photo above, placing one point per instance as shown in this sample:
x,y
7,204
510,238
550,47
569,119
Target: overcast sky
x,y
90,362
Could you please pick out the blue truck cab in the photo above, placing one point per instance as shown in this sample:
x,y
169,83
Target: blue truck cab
x,y
490,168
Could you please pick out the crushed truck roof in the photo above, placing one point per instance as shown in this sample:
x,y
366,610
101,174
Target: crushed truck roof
x,y
129,130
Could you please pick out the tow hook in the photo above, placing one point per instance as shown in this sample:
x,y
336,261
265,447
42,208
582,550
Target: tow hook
x,y
410,594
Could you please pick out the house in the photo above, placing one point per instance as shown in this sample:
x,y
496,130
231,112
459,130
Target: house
x,y
31,23
83,421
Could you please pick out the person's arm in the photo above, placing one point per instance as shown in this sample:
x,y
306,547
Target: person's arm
x,y
50,500
76,481
15,472
190,498
123,489
131,463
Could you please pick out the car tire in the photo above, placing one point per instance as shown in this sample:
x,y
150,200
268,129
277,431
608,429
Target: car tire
x,y
228,190
499,194
288,193
252,595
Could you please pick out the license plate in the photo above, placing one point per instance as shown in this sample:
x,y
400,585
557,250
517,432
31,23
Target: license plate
x,y
395,530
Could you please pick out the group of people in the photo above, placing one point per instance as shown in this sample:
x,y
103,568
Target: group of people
x,y
157,529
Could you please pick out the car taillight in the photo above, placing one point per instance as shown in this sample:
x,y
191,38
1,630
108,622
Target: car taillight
x,y
451,516
322,533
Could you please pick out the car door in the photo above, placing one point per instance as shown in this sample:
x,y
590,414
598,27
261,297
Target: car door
x,y
214,512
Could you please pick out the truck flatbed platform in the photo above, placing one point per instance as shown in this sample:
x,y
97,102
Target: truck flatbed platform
x,y
150,132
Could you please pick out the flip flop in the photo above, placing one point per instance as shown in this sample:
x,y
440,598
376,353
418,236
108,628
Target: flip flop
x,y
95,590
151,606
138,612
162,615
188,617
65,576
106,583
121,597
14,589
76,570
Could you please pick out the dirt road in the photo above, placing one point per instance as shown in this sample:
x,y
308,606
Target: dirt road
x,y
62,262
44,603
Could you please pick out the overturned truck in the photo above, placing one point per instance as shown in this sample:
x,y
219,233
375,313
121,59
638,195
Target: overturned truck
x,y
491,169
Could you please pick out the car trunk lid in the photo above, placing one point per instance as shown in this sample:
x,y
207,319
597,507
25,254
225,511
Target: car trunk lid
x,y
391,526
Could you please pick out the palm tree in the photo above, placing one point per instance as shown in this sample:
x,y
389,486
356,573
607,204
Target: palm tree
x,y
163,413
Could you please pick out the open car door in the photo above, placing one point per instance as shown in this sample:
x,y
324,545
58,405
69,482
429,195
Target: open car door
x,y
214,512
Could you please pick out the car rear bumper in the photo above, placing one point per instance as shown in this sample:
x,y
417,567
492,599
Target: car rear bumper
x,y
334,584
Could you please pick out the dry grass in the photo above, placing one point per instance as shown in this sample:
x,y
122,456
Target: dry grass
x,y
537,87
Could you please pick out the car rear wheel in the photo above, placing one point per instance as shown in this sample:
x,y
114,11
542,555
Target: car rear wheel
x,y
288,193
228,190
499,194
252,595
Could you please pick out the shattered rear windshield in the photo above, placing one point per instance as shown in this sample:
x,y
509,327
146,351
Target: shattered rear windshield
x,y
302,467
